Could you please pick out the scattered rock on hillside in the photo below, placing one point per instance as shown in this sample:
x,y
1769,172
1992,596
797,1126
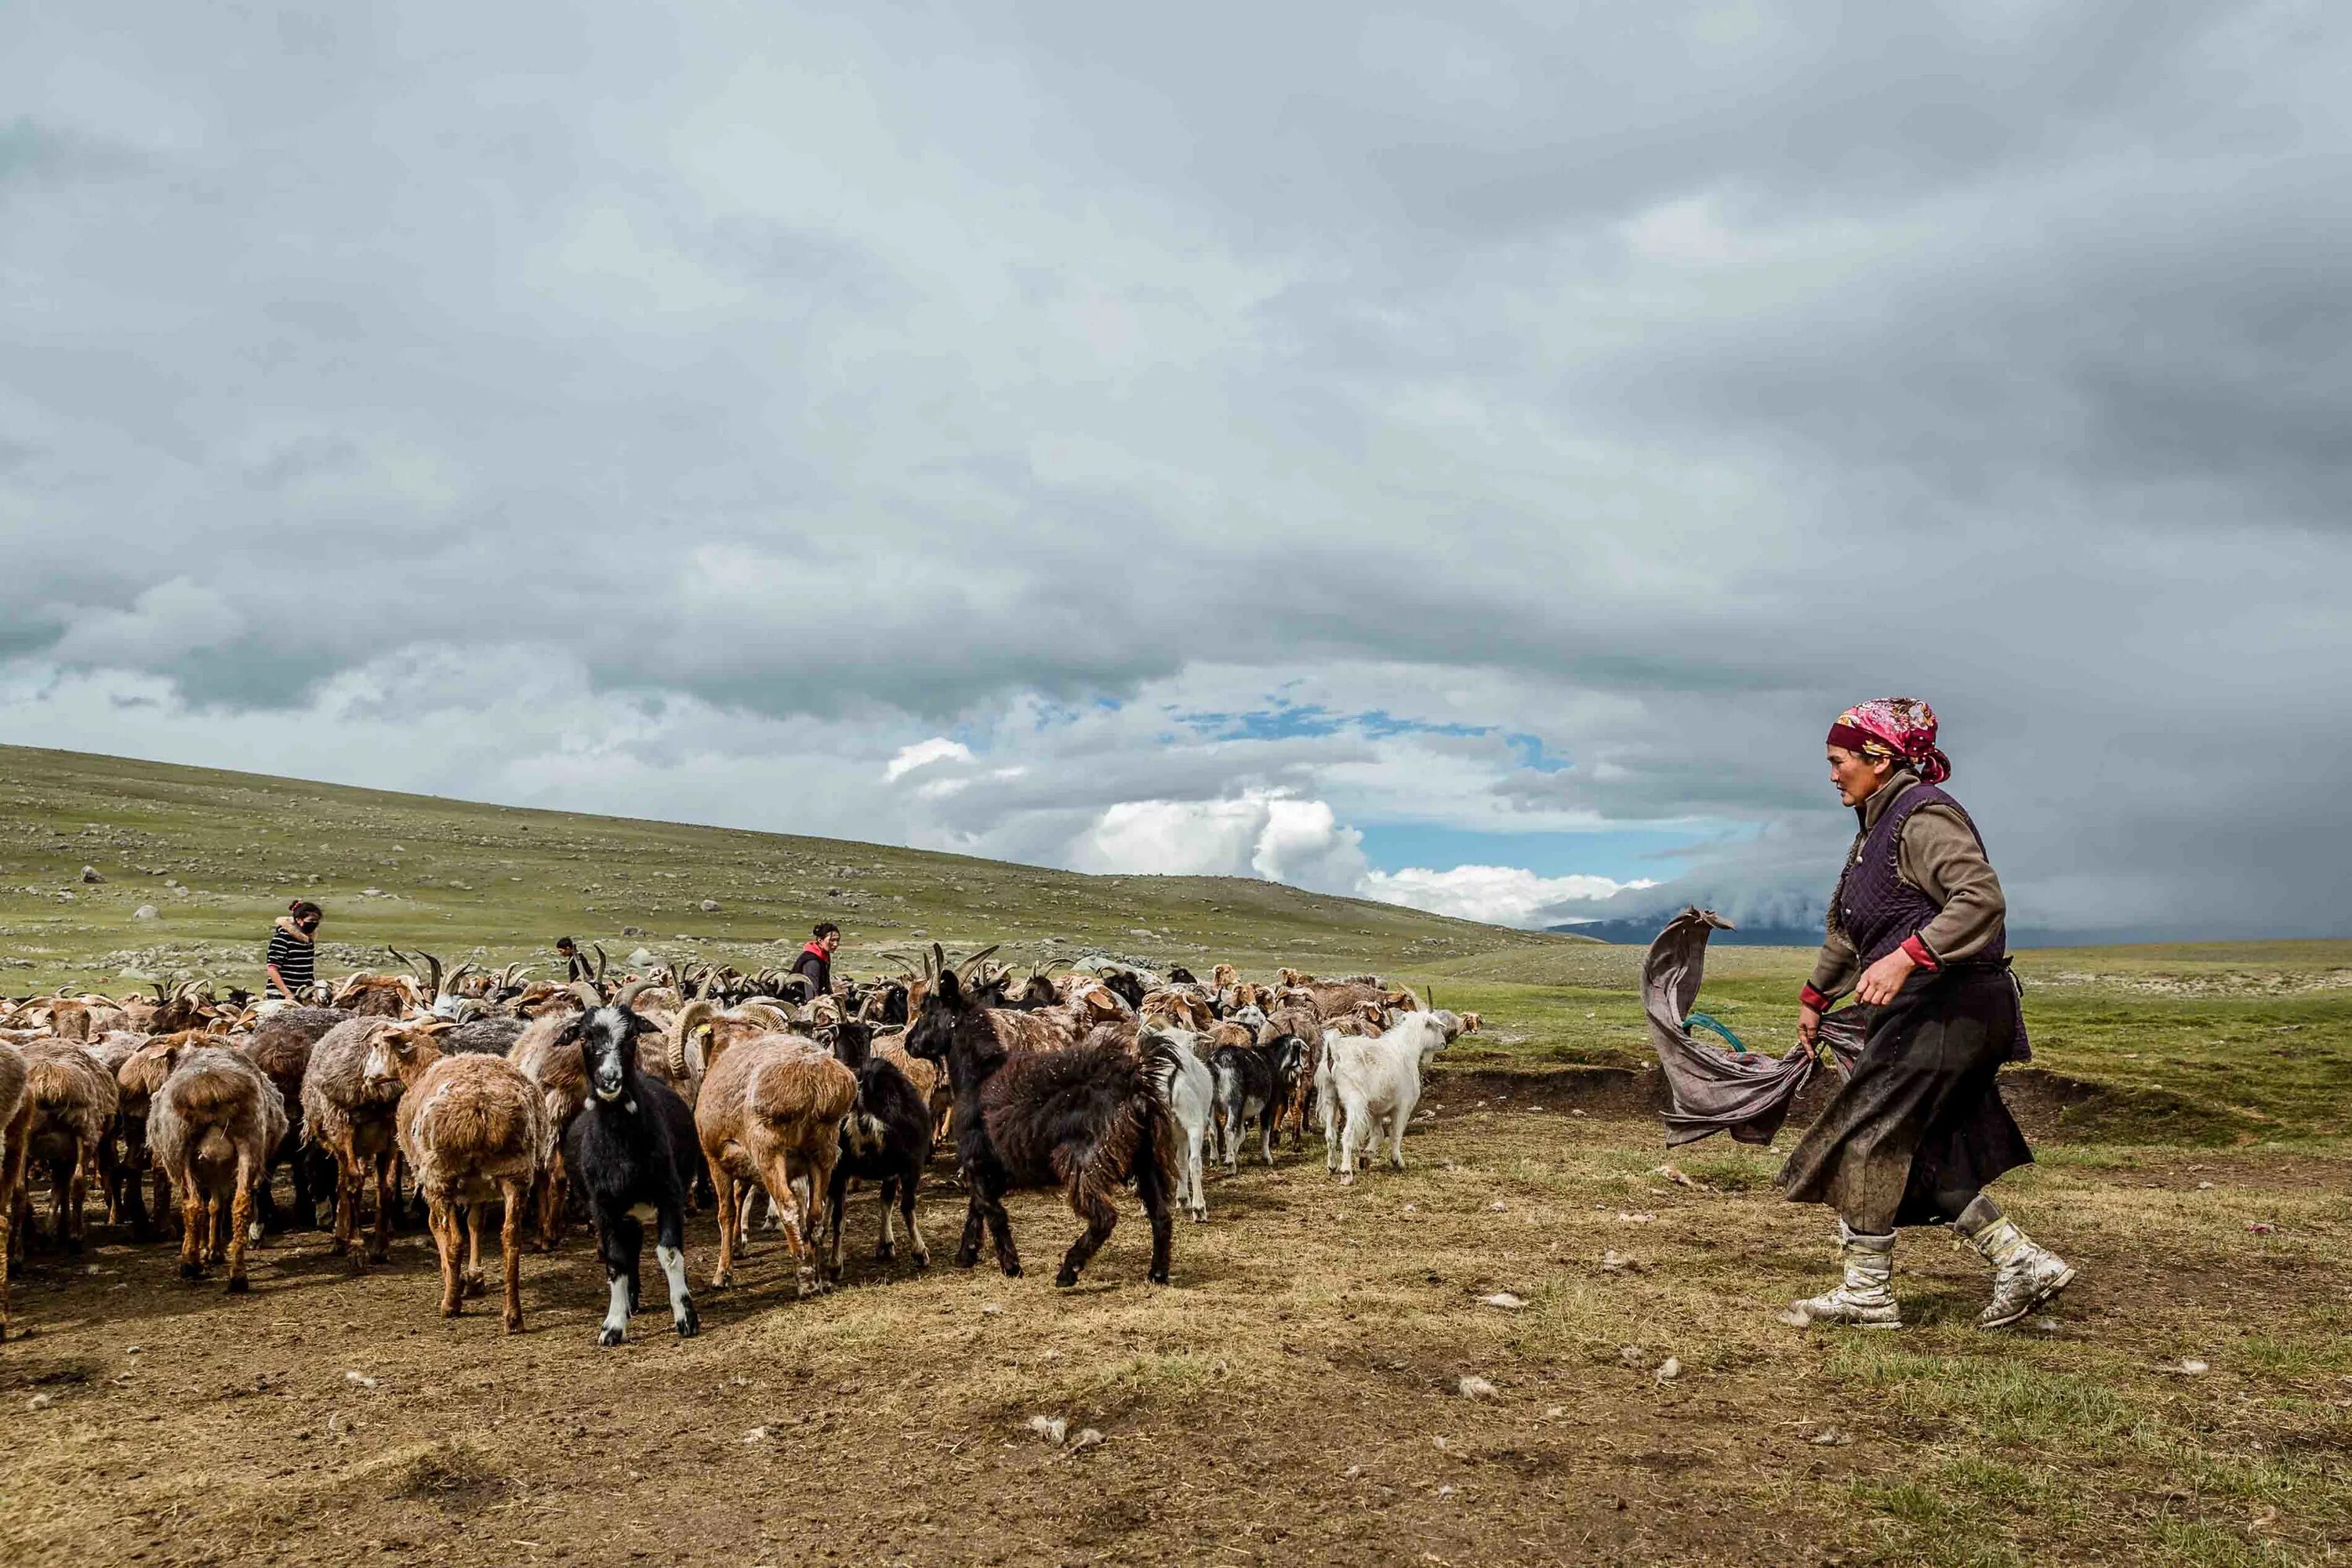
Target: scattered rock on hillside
x,y
708,906
89,874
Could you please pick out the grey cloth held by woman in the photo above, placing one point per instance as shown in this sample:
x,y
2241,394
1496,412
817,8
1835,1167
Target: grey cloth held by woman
x,y
1714,1089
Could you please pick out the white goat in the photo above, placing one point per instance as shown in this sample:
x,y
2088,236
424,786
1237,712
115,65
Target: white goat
x,y
1374,1083
1190,1098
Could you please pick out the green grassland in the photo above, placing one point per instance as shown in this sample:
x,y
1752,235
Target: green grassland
x,y
217,855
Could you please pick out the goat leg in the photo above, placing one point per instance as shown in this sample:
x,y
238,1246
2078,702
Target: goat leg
x,y
240,1220
777,1178
192,1227
833,1205
387,1177
1000,1230
907,1185
443,1222
974,1212
723,1180
514,1194
70,1200
471,1279
1101,1216
669,1251
216,1210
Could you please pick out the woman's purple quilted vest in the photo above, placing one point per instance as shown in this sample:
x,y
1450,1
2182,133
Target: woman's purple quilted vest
x,y
1876,907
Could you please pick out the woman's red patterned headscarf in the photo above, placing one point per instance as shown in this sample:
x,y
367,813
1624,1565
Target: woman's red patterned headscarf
x,y
1903,728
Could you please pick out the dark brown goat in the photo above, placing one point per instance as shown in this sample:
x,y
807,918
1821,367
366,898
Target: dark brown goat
x,y
1088,1119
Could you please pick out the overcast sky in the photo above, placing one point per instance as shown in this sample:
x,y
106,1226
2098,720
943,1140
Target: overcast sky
x,y
1465,458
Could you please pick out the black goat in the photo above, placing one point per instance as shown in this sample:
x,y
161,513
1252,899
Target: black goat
x,y
1089,1118
1251,1083
886,1138
1127,987
1180,975
633,1152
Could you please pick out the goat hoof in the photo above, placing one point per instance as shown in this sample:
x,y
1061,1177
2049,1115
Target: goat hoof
x,y
1158,1276
922,1260
689,1323
1012,1270
473,1284
1067,1278
337,1247
608,1337
452,1309
514,1322
884,1252
191,1270
238,1285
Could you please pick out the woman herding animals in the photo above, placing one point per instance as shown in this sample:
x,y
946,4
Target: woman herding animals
x,y
291,961
1917,930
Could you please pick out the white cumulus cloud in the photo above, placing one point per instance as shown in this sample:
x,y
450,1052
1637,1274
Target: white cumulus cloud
x,y
922,754
1301,842
1502,895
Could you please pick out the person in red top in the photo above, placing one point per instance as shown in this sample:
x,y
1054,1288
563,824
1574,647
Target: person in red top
x,y
815,963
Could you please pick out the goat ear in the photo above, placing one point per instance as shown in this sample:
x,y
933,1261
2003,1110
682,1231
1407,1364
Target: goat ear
x,y
948,989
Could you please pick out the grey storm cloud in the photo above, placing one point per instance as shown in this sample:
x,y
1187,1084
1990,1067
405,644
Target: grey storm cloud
x,y
741,397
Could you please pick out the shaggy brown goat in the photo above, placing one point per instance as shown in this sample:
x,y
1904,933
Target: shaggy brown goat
x,y
137,1078
352,1116
212,1126
73,1100
771,1112
474,1131
1088,1119
280,1046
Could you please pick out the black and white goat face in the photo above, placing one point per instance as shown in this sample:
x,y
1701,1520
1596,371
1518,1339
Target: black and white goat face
x,y
608,1039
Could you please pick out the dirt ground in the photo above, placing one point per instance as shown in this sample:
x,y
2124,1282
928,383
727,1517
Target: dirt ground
x,y
1297,1395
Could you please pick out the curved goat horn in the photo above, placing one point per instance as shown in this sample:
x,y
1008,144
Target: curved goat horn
x,y
632,991
590,997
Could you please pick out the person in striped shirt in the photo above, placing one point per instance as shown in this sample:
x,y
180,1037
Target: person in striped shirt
x,y
292,959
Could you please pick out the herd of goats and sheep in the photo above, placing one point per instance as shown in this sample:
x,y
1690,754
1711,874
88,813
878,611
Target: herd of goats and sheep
x,y
639,1100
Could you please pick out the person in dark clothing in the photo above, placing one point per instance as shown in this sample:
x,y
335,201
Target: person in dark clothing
x,y
815,963
575,964
1917,928
290,964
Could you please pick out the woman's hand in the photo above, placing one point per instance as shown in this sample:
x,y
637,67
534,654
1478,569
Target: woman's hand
x,y
1809,1025
1882,980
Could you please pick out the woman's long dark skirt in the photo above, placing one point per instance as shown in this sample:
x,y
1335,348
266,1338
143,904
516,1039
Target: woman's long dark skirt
x,y
1920,1126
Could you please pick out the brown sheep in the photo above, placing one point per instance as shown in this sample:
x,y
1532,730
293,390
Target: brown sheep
x,y
280,1045
15,1124
137,1078
73,1100
212,1126
771,1112
474,1131
351,1116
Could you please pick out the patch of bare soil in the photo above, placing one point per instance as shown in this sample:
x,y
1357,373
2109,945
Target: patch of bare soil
x,y
1297,1395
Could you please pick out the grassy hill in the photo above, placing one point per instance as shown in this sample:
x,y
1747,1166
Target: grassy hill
x,y
217,855
2203,1043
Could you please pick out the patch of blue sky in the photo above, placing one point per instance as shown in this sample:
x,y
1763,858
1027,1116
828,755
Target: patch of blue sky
x,y
1286,720
1533,755
1622,855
